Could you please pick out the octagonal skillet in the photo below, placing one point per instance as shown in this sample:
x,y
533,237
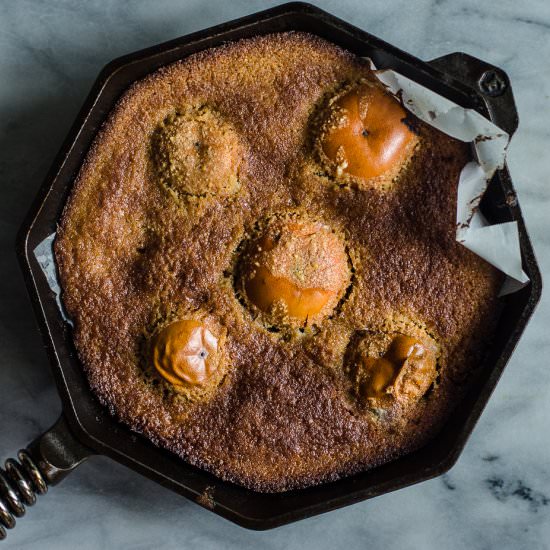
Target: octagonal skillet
x,y
86,428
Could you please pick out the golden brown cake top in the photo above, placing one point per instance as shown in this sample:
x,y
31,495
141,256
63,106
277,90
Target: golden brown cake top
x,y
211,205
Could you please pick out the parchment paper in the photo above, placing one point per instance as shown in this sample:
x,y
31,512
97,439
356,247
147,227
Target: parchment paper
x,y
497,244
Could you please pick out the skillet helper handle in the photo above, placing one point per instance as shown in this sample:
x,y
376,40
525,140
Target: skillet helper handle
x,y
46,461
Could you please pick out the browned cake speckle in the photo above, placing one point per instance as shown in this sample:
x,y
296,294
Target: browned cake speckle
x,y
190,163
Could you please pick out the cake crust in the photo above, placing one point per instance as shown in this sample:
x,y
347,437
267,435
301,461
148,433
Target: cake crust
x,y
134,255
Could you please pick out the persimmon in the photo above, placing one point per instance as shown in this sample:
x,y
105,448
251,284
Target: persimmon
x,y
186,353
403,370
365,134
298,268
198,153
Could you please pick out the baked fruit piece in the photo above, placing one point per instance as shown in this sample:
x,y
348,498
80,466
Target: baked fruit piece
x,y
391,367
364,134
188,355
294,272
198,153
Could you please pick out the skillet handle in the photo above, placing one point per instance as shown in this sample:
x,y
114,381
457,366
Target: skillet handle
x,y
46,461
491,81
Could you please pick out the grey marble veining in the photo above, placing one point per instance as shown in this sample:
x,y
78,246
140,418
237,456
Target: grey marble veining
x,y
498,494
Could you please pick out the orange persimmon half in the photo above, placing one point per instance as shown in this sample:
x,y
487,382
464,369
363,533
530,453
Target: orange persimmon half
x,y
185,353
300,266
365,134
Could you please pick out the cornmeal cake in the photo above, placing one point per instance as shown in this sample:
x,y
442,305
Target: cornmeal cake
x,y
259,258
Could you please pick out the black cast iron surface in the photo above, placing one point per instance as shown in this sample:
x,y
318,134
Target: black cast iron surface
x,y
86,428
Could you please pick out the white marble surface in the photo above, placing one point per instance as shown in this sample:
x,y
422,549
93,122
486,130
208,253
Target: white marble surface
x,y
497,496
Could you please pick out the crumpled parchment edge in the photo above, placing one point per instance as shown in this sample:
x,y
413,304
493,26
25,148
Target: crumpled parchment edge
x,y
498,244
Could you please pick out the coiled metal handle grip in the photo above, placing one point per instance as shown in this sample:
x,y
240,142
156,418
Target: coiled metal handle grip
x,y
46,461
19,484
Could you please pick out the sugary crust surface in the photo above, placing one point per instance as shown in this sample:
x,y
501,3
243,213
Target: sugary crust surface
x,y
132,255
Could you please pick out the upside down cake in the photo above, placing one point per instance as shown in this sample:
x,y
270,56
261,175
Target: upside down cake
x,y
259,258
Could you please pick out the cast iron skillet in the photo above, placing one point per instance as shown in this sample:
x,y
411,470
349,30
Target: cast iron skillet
x,y
86,428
